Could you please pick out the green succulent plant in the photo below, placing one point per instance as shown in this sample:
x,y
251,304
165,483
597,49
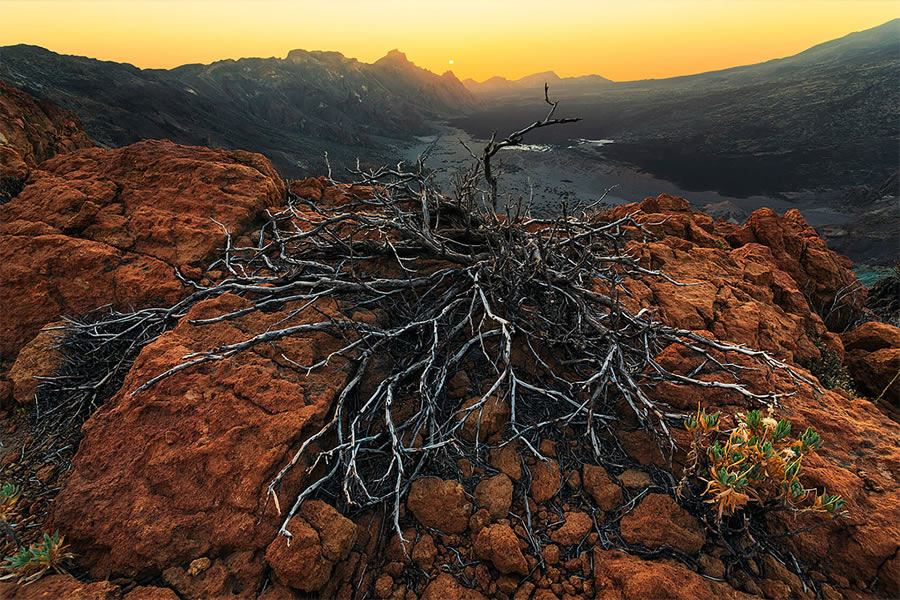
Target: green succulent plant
x,y
30,564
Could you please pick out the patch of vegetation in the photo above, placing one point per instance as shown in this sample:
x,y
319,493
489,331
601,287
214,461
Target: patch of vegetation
x,y
828,368
30,564
757,462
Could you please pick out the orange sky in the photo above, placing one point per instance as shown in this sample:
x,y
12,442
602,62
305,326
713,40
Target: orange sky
x,y
621,40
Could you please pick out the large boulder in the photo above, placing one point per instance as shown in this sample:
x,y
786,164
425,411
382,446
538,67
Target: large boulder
x,y
820,273
873,360
180,470
620,576
95,227
736,286
659,521
31,131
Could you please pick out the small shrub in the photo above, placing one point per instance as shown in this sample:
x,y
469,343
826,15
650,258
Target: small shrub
x,y
831,372
9,498
758,462
829,369
29,564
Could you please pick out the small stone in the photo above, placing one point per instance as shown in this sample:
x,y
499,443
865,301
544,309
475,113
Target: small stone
x,y
632,478
495,494
576,527
524,591
425,552
545,480
480,519
499,545
384,585
659,521
508,583
439,504
548,448
551,554
606,493
712,566
506,460
198,565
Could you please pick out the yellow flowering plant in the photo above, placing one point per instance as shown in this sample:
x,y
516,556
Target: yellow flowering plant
x,y
758,461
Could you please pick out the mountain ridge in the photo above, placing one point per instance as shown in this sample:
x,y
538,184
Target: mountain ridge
x,y
852,40
292,109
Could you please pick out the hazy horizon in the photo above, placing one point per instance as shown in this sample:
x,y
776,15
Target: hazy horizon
x,y
645,40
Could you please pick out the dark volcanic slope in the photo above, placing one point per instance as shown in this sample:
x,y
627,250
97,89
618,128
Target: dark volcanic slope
x,y
825,118
290,109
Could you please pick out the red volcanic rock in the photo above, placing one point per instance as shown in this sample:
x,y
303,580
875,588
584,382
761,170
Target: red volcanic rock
x,y
506,459
872,355
150,593
577,525
439,504
746,285
859,460
320,191
635,479
301,564
801,253
48,275
606,493
31,131
620,576
425,552
495,494
483,422
665,202
445,587
39,358
871,337
659,521
545,480
203,578
499,545
97,226
51,587
179,471
337,534
320,538
736,295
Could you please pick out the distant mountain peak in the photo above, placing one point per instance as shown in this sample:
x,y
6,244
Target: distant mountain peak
x,y
394,57
300,55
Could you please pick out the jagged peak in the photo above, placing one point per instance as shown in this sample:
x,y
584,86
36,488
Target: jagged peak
x,y
299,55
394,56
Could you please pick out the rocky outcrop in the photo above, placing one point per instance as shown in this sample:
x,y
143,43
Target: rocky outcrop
x,y
171,481
820,273
97,227
31,131
860,461
183,466
619,576
659,521
873,360
734,285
